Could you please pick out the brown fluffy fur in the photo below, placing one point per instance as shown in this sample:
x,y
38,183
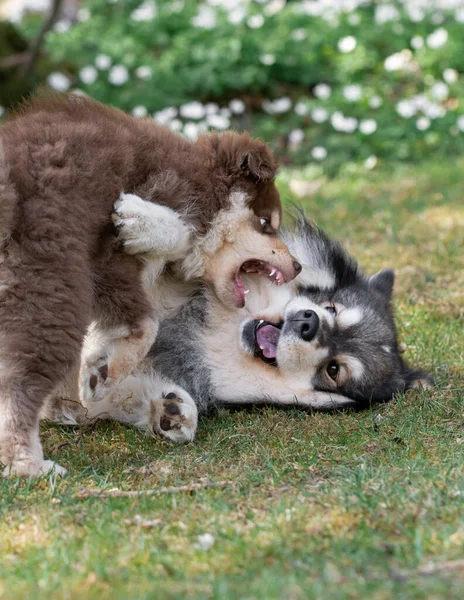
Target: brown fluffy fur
x,y
65,161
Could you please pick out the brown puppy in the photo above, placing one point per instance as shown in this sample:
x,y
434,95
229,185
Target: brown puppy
x,y
64,161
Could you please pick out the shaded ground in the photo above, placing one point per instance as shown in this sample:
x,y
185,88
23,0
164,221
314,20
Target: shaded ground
x,y
321,506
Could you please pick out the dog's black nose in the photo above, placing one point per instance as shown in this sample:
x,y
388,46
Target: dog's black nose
x,y
305,324
297,266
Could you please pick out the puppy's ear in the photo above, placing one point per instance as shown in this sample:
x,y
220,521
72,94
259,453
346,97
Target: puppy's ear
x,y
416,380
258,161
382,282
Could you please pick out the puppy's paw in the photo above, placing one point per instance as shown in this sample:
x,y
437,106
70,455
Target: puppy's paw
x,y
175,417
33,469
148,228
94,382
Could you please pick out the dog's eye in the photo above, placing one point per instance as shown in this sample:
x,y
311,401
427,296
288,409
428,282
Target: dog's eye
x,y
265,223
330,308
333,370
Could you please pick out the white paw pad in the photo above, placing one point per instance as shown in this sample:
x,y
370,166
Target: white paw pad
x,y
94,384
176,418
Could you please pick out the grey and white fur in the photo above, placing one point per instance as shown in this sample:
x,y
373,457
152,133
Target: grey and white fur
x,y
324,341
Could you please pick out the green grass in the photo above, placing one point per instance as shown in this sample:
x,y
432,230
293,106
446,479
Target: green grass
x,y
323,506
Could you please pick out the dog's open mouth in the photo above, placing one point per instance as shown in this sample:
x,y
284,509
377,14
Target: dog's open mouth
x,y
267,337
259,267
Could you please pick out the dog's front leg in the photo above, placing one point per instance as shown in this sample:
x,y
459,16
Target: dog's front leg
x,y
149,229
155,405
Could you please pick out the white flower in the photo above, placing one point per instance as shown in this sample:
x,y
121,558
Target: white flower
x,y
370,162
298,34
278,106
267,59
163,117
434,111
143,72
341,123
205,541
439,90
352,92
318,152
205,18
59,82
237,15
295,137
459,15
375,102
103,61
368,126
417,42
301,109
225,112
385,13
140,111
282,105
83,14
437,18
88,75
237,106
406,109
437,39
211,108
255,21
319,115
145,12
347,44
175,125
192,110
191,131
273,7
62,26
450,76
460,123
118,75
354,19
400,61
322,91
423,123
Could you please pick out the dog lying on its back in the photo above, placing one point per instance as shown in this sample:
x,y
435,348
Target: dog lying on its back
x,y
65,160
331,343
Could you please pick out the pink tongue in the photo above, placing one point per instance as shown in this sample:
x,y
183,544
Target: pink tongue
x,y
268,338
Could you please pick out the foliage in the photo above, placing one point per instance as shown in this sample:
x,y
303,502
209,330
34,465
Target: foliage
x,y
330,81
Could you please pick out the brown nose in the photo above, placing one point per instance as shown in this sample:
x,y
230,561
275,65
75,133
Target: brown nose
x,y
297,266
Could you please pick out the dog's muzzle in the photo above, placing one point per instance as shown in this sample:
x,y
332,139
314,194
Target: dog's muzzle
x,y
305,324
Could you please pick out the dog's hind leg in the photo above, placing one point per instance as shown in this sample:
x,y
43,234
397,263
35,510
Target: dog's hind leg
x,y
153,404
124,331
43,313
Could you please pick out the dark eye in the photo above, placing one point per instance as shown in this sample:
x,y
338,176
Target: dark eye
x,y
330,308
333,370
265,223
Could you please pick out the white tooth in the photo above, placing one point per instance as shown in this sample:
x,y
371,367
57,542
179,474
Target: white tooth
x,y
261,321
272,272
261,347
246,291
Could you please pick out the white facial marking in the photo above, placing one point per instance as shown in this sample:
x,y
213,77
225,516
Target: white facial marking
x,y
386,349
349,317
354,366
275,220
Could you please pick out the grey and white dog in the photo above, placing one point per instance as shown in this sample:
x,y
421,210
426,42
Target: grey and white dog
x,y
327,340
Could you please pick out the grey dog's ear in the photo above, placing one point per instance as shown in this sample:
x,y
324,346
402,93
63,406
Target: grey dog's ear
x,y
382,282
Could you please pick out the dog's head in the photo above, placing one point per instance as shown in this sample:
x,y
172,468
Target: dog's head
x,y
337,331
244,218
